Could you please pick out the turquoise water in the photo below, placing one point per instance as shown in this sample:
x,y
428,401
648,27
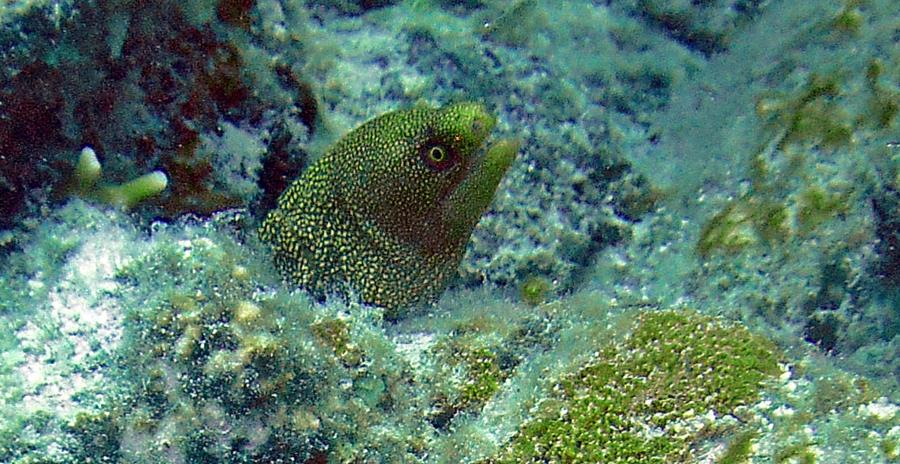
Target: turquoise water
x,y
693,258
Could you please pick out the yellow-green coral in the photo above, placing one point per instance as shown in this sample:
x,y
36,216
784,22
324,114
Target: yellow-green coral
x,y
387,211
87,175
635,401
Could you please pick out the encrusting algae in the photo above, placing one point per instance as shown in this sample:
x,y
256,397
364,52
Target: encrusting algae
x,y
387,211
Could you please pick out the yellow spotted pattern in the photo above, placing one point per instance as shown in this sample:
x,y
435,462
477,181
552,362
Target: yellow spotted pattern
x,y
372,217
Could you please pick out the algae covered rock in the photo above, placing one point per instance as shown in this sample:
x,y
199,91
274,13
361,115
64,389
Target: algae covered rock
x,y
645,399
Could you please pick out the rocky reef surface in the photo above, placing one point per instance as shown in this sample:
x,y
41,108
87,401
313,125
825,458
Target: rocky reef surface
x,y
694,257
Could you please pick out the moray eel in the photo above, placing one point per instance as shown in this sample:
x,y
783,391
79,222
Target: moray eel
x,y
385,214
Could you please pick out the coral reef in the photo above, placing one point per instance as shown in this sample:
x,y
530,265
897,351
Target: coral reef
x,y
648,397
215,362
802,186
143,84
734,157
203,374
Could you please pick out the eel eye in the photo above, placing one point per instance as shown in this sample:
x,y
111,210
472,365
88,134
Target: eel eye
x,y
437,154
437,157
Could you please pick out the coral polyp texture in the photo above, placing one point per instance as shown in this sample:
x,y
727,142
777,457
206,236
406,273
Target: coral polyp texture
x,y
649,397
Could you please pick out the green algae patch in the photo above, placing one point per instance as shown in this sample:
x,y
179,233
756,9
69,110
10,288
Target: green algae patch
x,y
470,360
739,448
646,398
816,123
535,290
470,373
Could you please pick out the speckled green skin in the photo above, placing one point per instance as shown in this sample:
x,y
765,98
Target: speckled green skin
x,y
386,213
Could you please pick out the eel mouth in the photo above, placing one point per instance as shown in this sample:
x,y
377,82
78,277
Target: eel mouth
x,y
474,193
492,162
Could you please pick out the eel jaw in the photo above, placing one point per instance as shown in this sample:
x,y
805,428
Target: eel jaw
x,y
473,195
